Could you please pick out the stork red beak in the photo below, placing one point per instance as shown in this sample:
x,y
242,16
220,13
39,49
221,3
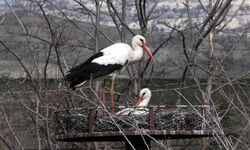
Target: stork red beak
x,y
139,101
145,47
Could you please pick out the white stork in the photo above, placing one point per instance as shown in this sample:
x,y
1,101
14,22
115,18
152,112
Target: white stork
x,y
141,103
108,61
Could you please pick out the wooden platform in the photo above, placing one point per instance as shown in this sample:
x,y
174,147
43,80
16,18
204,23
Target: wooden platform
x,y
160,123
118,136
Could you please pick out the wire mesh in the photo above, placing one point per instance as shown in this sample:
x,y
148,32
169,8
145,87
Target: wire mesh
x,y
171,119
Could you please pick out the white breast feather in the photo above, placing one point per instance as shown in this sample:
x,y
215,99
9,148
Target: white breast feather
x,y
125,112
117,53
133,111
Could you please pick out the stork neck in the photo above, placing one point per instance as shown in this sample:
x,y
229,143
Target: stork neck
x,y
136,53
144,103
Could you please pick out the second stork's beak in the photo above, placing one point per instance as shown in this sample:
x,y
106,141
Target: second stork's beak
x,y
145,47
139,101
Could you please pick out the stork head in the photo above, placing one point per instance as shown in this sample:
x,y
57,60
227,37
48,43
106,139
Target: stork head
x,y
145,96
139,40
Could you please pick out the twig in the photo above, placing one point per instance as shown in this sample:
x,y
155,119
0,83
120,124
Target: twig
x,y
9,126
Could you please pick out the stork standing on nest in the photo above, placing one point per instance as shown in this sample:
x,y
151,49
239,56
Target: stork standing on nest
x,y
108,61
141,103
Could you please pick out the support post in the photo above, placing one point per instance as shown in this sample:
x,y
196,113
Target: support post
x,y
151,118
91,122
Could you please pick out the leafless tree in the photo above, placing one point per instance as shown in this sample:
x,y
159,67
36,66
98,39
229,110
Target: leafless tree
x,y
51,44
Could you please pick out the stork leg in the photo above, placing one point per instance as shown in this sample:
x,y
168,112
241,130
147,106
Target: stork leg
x,y
104,93
112,96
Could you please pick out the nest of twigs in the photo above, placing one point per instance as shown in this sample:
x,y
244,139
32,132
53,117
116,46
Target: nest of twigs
x,y
184,119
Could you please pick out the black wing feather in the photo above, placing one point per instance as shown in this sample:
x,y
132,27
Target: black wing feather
x,y
96,55
89,70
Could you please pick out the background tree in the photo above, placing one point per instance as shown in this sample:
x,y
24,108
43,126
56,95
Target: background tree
x,y
40,40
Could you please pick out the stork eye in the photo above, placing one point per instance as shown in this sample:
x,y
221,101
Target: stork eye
x,y
143,94
141,40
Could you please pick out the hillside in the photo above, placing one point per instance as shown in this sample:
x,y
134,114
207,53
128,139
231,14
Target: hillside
x,y
75,45
163,11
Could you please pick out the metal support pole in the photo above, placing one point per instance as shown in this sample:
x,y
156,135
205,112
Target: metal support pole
x,y
91,120
138,143
151,118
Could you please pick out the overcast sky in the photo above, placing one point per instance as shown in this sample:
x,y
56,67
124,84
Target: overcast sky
x,y
1,1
